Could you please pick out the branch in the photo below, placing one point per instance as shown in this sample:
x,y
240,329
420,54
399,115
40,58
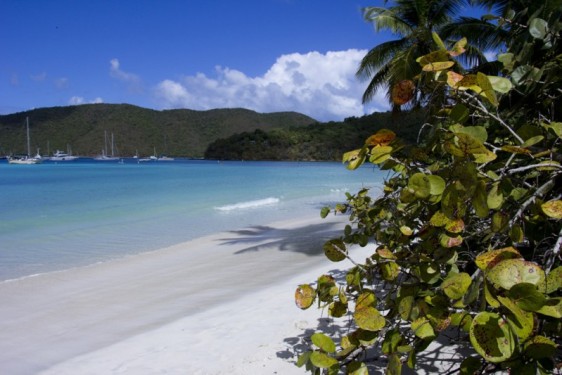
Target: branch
x,y
539,192
482,107
527,167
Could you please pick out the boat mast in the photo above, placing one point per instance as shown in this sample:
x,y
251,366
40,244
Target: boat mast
x,y
28,141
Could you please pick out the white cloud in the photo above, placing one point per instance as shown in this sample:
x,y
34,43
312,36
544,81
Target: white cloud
x,y
77,100
132,80
322,86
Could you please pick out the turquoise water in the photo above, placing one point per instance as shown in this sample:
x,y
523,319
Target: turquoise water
x,y
57,216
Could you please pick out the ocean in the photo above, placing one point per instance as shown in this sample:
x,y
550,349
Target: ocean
x,y
56,216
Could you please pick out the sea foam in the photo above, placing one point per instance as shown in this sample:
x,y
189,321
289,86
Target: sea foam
x,y
249,204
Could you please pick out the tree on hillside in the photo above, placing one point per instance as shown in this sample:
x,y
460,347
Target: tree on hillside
x,y
467,237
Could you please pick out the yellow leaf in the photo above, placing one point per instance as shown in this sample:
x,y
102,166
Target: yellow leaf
x,y
553,209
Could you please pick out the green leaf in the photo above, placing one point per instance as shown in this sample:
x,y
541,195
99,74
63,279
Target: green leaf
x,y
458,47
335,250
532,141
491,337
520,321
540,347
477,132
323,342
337,309
354,159
469,145
437,66
438,41
495,197
420,184
554,280
538,28
394,366
369,318
459,113
303,358
553,308
456,285
509,272
487,89
304,296
500,84
324,212
380,154
322,360
449,241
357,368
527,297
480,200
470,366
436,184
422,328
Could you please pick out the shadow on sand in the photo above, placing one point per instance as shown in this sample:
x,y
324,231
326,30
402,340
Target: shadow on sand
x,y
307,240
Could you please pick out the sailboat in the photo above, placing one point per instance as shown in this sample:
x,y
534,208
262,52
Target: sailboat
x,y
26,159
104,156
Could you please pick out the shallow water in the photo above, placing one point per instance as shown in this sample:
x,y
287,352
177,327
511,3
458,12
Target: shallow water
x,y
61,215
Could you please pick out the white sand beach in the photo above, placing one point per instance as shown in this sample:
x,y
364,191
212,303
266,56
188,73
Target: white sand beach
x,y
221,304
218,304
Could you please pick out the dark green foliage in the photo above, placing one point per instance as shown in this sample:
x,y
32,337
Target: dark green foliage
x,y
179,132
319,141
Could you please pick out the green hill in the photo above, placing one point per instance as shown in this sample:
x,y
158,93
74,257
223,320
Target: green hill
x,y
179,132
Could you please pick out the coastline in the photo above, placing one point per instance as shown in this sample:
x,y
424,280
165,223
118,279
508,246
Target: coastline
x,y
197,307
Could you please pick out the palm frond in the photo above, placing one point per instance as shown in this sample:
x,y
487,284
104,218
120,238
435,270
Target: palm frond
x,y
379,56
386,19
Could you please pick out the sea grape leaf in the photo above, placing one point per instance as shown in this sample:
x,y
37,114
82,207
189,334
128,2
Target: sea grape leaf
x,y
438,41
435,56
369,318
420,184
477,132
515,149
439,219
553,209
527,297
470,366
459,113
436,184
458,48
322,360
509,272
422,328
437,66
491,337
323,342
324,212
489,259
469,145
532,141
487,89
389,271
500,84
354,158
380,154
538,28
520,321
456,285
382,137
394,366
540,347
500,220
337,309
552,307
455,225
366,299
335,250
480,200
385,253
495,197
403,92
453,79
304,296
485,157
554,280
449,241
490,296
303,358
357,368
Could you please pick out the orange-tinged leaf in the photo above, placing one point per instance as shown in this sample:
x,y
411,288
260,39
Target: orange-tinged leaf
x,y
385,253
381,138
458,48
304,296
403,92
489,259
453,78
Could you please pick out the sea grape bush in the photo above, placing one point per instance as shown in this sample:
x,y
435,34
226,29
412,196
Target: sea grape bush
x,y
467,235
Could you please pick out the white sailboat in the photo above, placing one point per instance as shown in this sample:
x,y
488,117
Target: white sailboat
x,y
104,156
26,159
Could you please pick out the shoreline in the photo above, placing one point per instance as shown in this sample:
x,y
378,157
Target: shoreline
x,y
54,322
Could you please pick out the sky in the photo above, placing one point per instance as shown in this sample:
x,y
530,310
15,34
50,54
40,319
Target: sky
x,y
264,55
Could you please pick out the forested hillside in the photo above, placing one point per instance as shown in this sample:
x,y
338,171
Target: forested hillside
x,y
180,132
319,141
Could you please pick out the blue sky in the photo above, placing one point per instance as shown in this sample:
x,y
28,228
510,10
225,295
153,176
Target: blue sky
x,y
265,55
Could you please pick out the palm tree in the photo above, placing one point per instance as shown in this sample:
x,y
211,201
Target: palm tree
x,y
392,62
